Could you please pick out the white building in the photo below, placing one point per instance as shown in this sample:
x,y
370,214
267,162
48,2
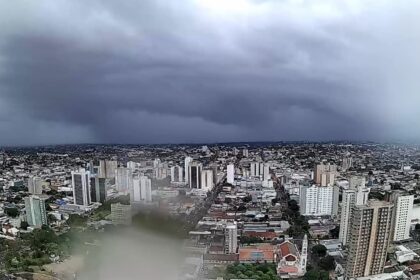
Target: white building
x,y
231,238
207,180
402,217
230,173
266,172
35,185
255,169
124,179
177,174
81,187
187,162
318,201
141,191
351,198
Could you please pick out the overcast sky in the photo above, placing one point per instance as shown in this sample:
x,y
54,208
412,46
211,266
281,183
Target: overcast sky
x,y
161,71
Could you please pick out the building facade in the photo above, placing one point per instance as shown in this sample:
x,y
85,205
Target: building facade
x,y
350,199
177,174
230,169
402,217
318,201
81,187
231,238
141,191
207,180
369,237
194,174
35,185
36,213
123,179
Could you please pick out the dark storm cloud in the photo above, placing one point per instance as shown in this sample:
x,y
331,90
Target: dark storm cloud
x,y
207,71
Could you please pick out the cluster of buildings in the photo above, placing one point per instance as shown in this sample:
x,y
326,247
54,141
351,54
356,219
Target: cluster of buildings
x,y
360,201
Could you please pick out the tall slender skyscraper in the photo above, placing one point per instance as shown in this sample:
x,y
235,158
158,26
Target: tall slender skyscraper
x,y
81,187
187,162
35,185
230,173
255,169
177,174
207,180
351,198
324,174
195,175
94,188
141,191
124,179
231,238
107,168
36,213
402,216
266,172
370,234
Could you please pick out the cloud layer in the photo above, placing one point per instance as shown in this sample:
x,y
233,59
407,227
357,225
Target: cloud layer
x,y
154,71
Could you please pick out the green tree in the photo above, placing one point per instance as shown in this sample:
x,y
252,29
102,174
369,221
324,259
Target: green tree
x,y
11,212
319,250
327,263
24,225
315,274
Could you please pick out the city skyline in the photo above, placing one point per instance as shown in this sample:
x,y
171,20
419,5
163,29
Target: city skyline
x,y
207,71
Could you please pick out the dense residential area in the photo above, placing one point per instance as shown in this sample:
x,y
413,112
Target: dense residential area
x,y
239,211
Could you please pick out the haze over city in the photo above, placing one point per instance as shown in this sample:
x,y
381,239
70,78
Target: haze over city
x,y
156,71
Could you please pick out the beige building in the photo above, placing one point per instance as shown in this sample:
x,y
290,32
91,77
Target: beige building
x,y
369,236
324,174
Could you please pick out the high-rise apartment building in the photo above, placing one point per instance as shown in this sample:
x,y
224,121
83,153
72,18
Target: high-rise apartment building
x,y
230,177
207,180
318,201
255,169
324,174
402,216
36,213
161,171
98,188
351,198
231,238
194,174
94,188
177,174
35,185
187,162
107,168
266,172
81,187
369,237
214,168
141,191
123,179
